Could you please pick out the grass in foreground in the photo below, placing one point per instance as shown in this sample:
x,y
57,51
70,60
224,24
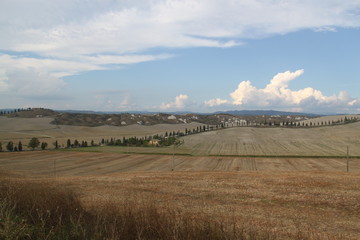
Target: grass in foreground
x,y
38,210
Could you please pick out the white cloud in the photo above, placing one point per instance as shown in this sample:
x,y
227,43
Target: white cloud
x,y
277,94
30,83
179,103
123,59
66,37
43,75
215,102
61,68
67,29
70,37
53,67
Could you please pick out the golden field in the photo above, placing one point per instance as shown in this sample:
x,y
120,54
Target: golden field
x,y
296,187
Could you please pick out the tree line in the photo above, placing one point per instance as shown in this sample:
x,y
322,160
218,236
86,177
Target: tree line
x,y
157,140
4,112
33,143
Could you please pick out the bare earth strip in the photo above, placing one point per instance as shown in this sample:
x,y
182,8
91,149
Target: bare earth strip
x,y
87,163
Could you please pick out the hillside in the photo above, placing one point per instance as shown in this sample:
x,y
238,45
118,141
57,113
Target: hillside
x,y
320,141
148,119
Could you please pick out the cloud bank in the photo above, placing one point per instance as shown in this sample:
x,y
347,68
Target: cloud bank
x,y
278,95
53,39
67,28
100,32
179,103
215,102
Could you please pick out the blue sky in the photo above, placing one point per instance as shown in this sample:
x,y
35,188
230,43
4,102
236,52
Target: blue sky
x,y
187,55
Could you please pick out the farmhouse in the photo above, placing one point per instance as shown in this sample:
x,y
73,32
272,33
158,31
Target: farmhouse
x,y
154,142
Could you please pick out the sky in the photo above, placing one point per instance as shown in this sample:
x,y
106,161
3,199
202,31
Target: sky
x,y
181,55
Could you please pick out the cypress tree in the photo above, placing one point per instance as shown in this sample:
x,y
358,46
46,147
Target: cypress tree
x,y
10,146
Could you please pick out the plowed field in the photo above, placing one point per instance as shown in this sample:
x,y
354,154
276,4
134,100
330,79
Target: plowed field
x,y
317,141
49,163
312,198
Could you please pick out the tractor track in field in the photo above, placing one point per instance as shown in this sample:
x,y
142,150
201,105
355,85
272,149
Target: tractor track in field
x,y
88,163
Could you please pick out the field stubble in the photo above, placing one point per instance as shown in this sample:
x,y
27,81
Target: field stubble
x,y
71,163
317,141
261,195
280,205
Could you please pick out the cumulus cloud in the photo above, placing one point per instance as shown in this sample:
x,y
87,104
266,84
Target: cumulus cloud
x,y
178,103
277,94
215,102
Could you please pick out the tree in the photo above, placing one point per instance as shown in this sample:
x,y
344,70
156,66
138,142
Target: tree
x,y
20,146
10,146
43,145
68,143
34,143
56,144
0,147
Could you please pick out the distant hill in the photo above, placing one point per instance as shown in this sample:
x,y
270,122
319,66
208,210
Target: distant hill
x,y
265,112
29,112
231,112
226,118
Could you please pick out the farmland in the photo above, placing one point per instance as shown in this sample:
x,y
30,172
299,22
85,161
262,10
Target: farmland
x,y
313,203
94,163
287,183
23,129
319,141
239,141
280,198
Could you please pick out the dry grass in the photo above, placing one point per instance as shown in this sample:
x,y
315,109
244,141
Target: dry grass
x,y
286,205
47,210
181,205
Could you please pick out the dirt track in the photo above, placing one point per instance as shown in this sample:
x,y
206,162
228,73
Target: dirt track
x,y
86,163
